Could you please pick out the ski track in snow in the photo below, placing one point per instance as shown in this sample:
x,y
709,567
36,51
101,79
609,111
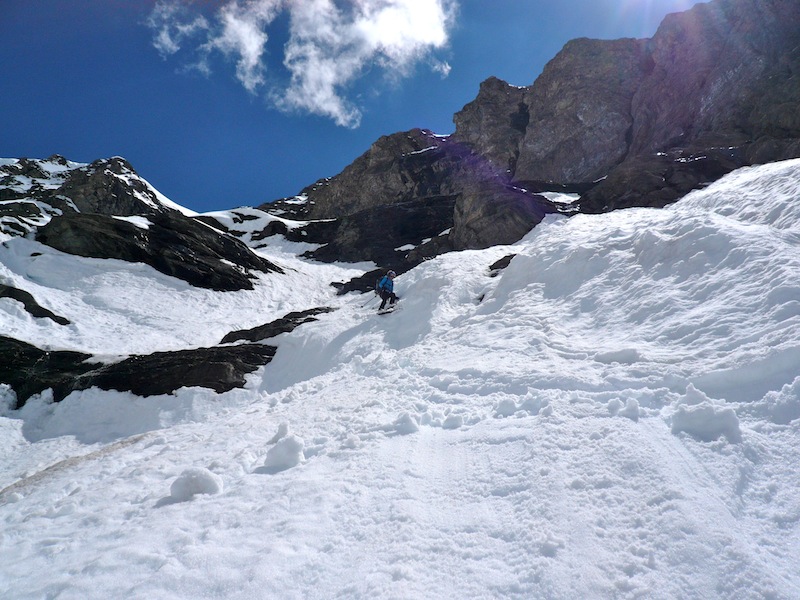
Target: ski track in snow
x,y
508,437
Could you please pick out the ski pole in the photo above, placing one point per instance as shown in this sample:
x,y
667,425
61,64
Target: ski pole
x,y
368,301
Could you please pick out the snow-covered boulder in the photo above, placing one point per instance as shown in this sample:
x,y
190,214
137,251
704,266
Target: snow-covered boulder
x,y
193,481
285,454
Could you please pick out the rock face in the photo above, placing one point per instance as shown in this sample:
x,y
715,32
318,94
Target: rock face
x,y
495,123
723,92
578,114
623,122
413,195
29,370
726,70
169,242
580,118
716,88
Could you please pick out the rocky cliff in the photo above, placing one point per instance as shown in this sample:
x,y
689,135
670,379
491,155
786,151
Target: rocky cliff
x,y
716,88
622,122
414,195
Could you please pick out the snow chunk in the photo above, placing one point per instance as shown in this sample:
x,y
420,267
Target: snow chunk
x,y
505,408
283,429
560,197
630,410
406,424
453,422
783,406
191,482
529,405
287,453
352,442
8,399
700,417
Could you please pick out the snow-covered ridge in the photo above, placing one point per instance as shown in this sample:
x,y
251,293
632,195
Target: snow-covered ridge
x,y
153,197
37,181
78,209
24,176
616,414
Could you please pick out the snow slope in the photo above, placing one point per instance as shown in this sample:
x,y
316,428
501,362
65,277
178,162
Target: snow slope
x,y
616,415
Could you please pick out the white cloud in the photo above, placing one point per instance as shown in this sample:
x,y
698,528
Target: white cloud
x,y
331,44
242,35
443,68
172,24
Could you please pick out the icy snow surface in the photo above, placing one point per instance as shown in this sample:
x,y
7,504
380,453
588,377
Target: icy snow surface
x,y
616,415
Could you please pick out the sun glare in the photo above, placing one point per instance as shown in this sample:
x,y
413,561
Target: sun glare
x,y
645,15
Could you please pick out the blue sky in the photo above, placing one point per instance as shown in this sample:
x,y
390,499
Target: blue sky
x,y
212,116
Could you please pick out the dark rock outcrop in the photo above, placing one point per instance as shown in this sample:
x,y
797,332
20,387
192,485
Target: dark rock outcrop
x,y
396,168
29,370
496,267
716,88
218,368
660,179
110,187
283,325
56,186
379,234
488,214
171,243
413,195
30,304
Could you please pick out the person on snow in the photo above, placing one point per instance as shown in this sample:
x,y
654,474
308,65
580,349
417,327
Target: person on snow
x,y
386,289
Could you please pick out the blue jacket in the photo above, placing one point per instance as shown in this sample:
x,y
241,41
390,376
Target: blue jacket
x,y
386,284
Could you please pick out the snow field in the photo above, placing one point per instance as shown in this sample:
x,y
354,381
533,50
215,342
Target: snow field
x,y
616,415
119,308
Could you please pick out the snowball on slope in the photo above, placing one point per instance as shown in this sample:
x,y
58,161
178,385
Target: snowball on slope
x,y
196,480
406,424
287,453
